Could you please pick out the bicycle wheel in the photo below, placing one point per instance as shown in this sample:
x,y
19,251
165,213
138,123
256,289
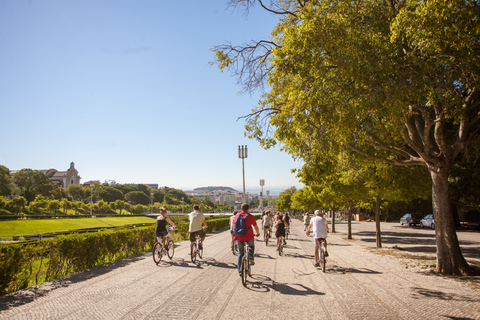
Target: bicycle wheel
x,y
157,252
200,251
286,234
280,246
322,256
266,239
170,249
244,271
193,252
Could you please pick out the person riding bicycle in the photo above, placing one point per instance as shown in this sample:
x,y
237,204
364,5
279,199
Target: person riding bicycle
x,y
196,219
280,232
247,237
161,229
267,223
306,221
232,224
320,230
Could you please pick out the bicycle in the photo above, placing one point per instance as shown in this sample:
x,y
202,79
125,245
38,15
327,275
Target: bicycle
x,y
287,231
159,250
321,253
195,250
267,236
234,246
246,269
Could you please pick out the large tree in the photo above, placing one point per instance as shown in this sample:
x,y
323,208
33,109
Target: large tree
x,y
6,185
395,81
33,183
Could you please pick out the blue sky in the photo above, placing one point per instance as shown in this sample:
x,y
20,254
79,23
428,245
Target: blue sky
x,y
124,90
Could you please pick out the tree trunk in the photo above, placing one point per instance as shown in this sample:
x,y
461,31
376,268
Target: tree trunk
x,y
449,256
350,209
377,222
333,219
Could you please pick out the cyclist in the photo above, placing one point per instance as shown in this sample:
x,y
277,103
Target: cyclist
x,y
280,232
320,230
266,223
248,237
196,219
232,224
161,229
306,221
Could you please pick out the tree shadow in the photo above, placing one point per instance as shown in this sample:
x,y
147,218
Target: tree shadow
x,y
28,295
420,293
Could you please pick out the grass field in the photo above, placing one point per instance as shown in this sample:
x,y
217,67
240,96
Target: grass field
x,y
24,227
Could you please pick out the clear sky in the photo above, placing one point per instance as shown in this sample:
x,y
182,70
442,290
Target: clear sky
x,y
124,90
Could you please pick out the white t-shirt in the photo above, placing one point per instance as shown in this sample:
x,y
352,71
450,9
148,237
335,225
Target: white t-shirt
x,y
196,220
319,227
231,222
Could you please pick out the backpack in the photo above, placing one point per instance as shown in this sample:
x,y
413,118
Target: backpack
x,y
240,228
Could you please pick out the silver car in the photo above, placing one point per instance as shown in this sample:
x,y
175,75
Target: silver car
x,y
428,221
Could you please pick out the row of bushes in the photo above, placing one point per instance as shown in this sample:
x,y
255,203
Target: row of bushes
x,y
31,263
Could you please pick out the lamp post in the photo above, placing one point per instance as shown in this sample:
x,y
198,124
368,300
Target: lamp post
x,y
151,202
242,154
91,197
268,197
182,204
262,183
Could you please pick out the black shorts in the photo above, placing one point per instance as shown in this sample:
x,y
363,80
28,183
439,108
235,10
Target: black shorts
x,y
161,233
201,233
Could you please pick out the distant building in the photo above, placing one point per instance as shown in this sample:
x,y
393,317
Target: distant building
x,y
61,178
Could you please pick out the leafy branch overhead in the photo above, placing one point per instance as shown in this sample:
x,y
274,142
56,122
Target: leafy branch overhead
x,y
394,81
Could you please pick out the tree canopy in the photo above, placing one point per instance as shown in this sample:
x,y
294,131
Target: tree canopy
x,y
394,81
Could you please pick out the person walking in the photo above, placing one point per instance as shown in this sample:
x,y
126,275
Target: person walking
x,y
248,237
320,230
196,219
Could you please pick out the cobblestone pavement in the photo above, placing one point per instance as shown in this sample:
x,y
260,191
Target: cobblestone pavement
x,y
356,285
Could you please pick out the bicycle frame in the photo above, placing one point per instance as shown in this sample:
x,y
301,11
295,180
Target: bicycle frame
x,y
246,269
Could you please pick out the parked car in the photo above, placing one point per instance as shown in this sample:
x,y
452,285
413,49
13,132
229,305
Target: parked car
x,y
427,221
410,219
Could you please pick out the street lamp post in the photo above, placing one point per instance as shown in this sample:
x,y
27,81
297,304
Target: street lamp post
x,y
151,202
242,154
182,204
91,197
262,183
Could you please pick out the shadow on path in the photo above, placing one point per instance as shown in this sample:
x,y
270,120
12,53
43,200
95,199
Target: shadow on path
x,y
28,295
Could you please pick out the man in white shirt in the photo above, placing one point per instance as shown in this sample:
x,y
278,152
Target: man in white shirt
x,y
320,230
196,219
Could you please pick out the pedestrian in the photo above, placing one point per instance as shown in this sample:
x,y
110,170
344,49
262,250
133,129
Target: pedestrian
x,y
320,229
196,219
248,237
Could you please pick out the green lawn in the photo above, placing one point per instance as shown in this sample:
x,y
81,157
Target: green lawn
x,y
23,227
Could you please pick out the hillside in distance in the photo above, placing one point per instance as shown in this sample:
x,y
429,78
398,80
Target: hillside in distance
x,y
212,188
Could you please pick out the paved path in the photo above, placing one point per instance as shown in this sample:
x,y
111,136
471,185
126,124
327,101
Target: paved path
x,y
357,285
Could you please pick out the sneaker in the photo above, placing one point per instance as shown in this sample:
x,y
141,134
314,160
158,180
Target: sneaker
x,y
284,242
200,246
326,253
316,265
252,261
239,274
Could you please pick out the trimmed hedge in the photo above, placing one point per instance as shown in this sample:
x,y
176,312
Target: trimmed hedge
x,y
31,263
